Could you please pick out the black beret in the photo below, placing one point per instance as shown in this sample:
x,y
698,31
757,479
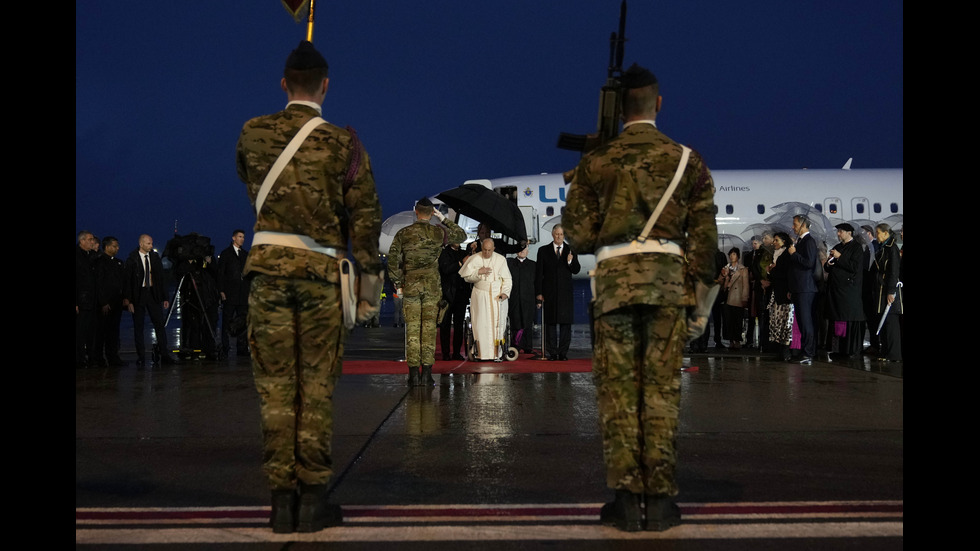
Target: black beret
x,y
845,226
305,57
424,202
637,77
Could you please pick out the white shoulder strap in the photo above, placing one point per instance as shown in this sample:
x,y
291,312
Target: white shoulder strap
x,y
685,155
287,154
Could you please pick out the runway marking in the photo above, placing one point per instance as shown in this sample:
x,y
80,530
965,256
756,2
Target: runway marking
x,y
823,519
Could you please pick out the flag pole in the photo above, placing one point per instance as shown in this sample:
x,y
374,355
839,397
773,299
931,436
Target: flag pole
x,y
309,25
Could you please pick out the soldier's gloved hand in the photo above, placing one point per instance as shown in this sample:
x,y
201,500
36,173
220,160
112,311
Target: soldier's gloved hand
x,y
439,215
696,324
697,315
369,296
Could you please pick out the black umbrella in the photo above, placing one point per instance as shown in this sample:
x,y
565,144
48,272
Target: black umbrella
x,y
487,206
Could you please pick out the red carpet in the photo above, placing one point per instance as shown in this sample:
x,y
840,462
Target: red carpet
x,y
523,364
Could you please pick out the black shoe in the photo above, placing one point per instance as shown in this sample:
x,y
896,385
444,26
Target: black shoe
x,y
413,376
283,519
458,357
553,358
315,513
661,513
168,359
426,377
623,513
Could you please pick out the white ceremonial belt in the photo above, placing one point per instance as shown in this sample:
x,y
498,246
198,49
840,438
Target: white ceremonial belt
x,y
662,246
295,241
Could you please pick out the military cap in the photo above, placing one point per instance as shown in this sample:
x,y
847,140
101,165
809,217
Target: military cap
x,y
637,77
424,202
305,57
845,226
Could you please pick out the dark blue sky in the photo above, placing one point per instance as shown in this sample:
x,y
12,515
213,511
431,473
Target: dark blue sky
x,y
444,91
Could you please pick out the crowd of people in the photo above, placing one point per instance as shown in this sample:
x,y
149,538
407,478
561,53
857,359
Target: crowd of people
x,y
793,296
106,285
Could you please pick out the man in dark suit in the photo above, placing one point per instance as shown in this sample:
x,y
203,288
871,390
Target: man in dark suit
x,y
803,286
233,288
553,287
522,300
110,274
85,299
146,294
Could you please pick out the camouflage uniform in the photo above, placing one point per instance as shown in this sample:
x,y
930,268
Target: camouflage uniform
x,y
641,299
295,326
413,264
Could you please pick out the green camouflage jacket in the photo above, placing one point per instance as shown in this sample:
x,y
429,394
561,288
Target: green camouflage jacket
x,y
614,190
418,246
310,197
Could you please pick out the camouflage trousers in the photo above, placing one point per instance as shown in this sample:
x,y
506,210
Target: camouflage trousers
x,y
636,367
421,307
297,337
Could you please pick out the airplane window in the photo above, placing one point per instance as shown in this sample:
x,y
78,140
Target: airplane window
x,y
859,208
818,207
761,209
550,211
894,208
729,209
833,208
563,210
877,208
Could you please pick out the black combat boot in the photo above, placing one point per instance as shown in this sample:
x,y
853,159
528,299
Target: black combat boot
x,y
315,513
426,378
623,513
283,519
413,376
661,513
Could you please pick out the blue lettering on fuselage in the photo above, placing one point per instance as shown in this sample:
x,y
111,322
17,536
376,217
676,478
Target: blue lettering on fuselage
x,y
543,193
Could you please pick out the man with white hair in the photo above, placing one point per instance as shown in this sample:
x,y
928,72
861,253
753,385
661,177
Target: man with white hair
x,y
492,283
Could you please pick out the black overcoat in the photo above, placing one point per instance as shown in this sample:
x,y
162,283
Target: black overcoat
x,y
553,280
844,282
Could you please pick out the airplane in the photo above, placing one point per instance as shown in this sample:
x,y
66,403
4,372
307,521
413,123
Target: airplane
x,y
745,201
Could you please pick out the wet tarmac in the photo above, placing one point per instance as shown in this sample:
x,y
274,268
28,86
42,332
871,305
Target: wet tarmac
x,y
772,456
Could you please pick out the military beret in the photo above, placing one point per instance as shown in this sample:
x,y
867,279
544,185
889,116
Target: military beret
x,y
424,202
305,57
845,226
637,77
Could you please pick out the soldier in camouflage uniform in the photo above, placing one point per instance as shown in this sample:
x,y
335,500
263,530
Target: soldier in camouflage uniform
x,y
413,265
323,197
640,302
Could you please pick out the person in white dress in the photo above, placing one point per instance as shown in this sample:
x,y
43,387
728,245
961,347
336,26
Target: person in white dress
x,y
492,283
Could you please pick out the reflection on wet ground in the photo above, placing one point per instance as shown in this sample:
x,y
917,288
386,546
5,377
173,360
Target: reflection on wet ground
x,y
753,431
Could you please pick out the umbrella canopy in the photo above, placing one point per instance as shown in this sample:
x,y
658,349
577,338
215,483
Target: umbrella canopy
x,y
487,206
820,226
727,242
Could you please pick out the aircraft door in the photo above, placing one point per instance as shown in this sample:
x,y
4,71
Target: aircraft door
x,y
833,207
860,208
530,215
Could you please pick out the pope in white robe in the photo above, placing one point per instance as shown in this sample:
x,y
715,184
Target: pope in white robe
x,y
492,283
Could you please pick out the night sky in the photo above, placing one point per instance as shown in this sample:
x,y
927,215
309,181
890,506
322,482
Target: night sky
x,y
445,91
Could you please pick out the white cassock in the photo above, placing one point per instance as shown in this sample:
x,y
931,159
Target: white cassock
x,y
488,315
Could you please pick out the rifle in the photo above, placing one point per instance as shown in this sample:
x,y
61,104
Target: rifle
x,y
610,97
